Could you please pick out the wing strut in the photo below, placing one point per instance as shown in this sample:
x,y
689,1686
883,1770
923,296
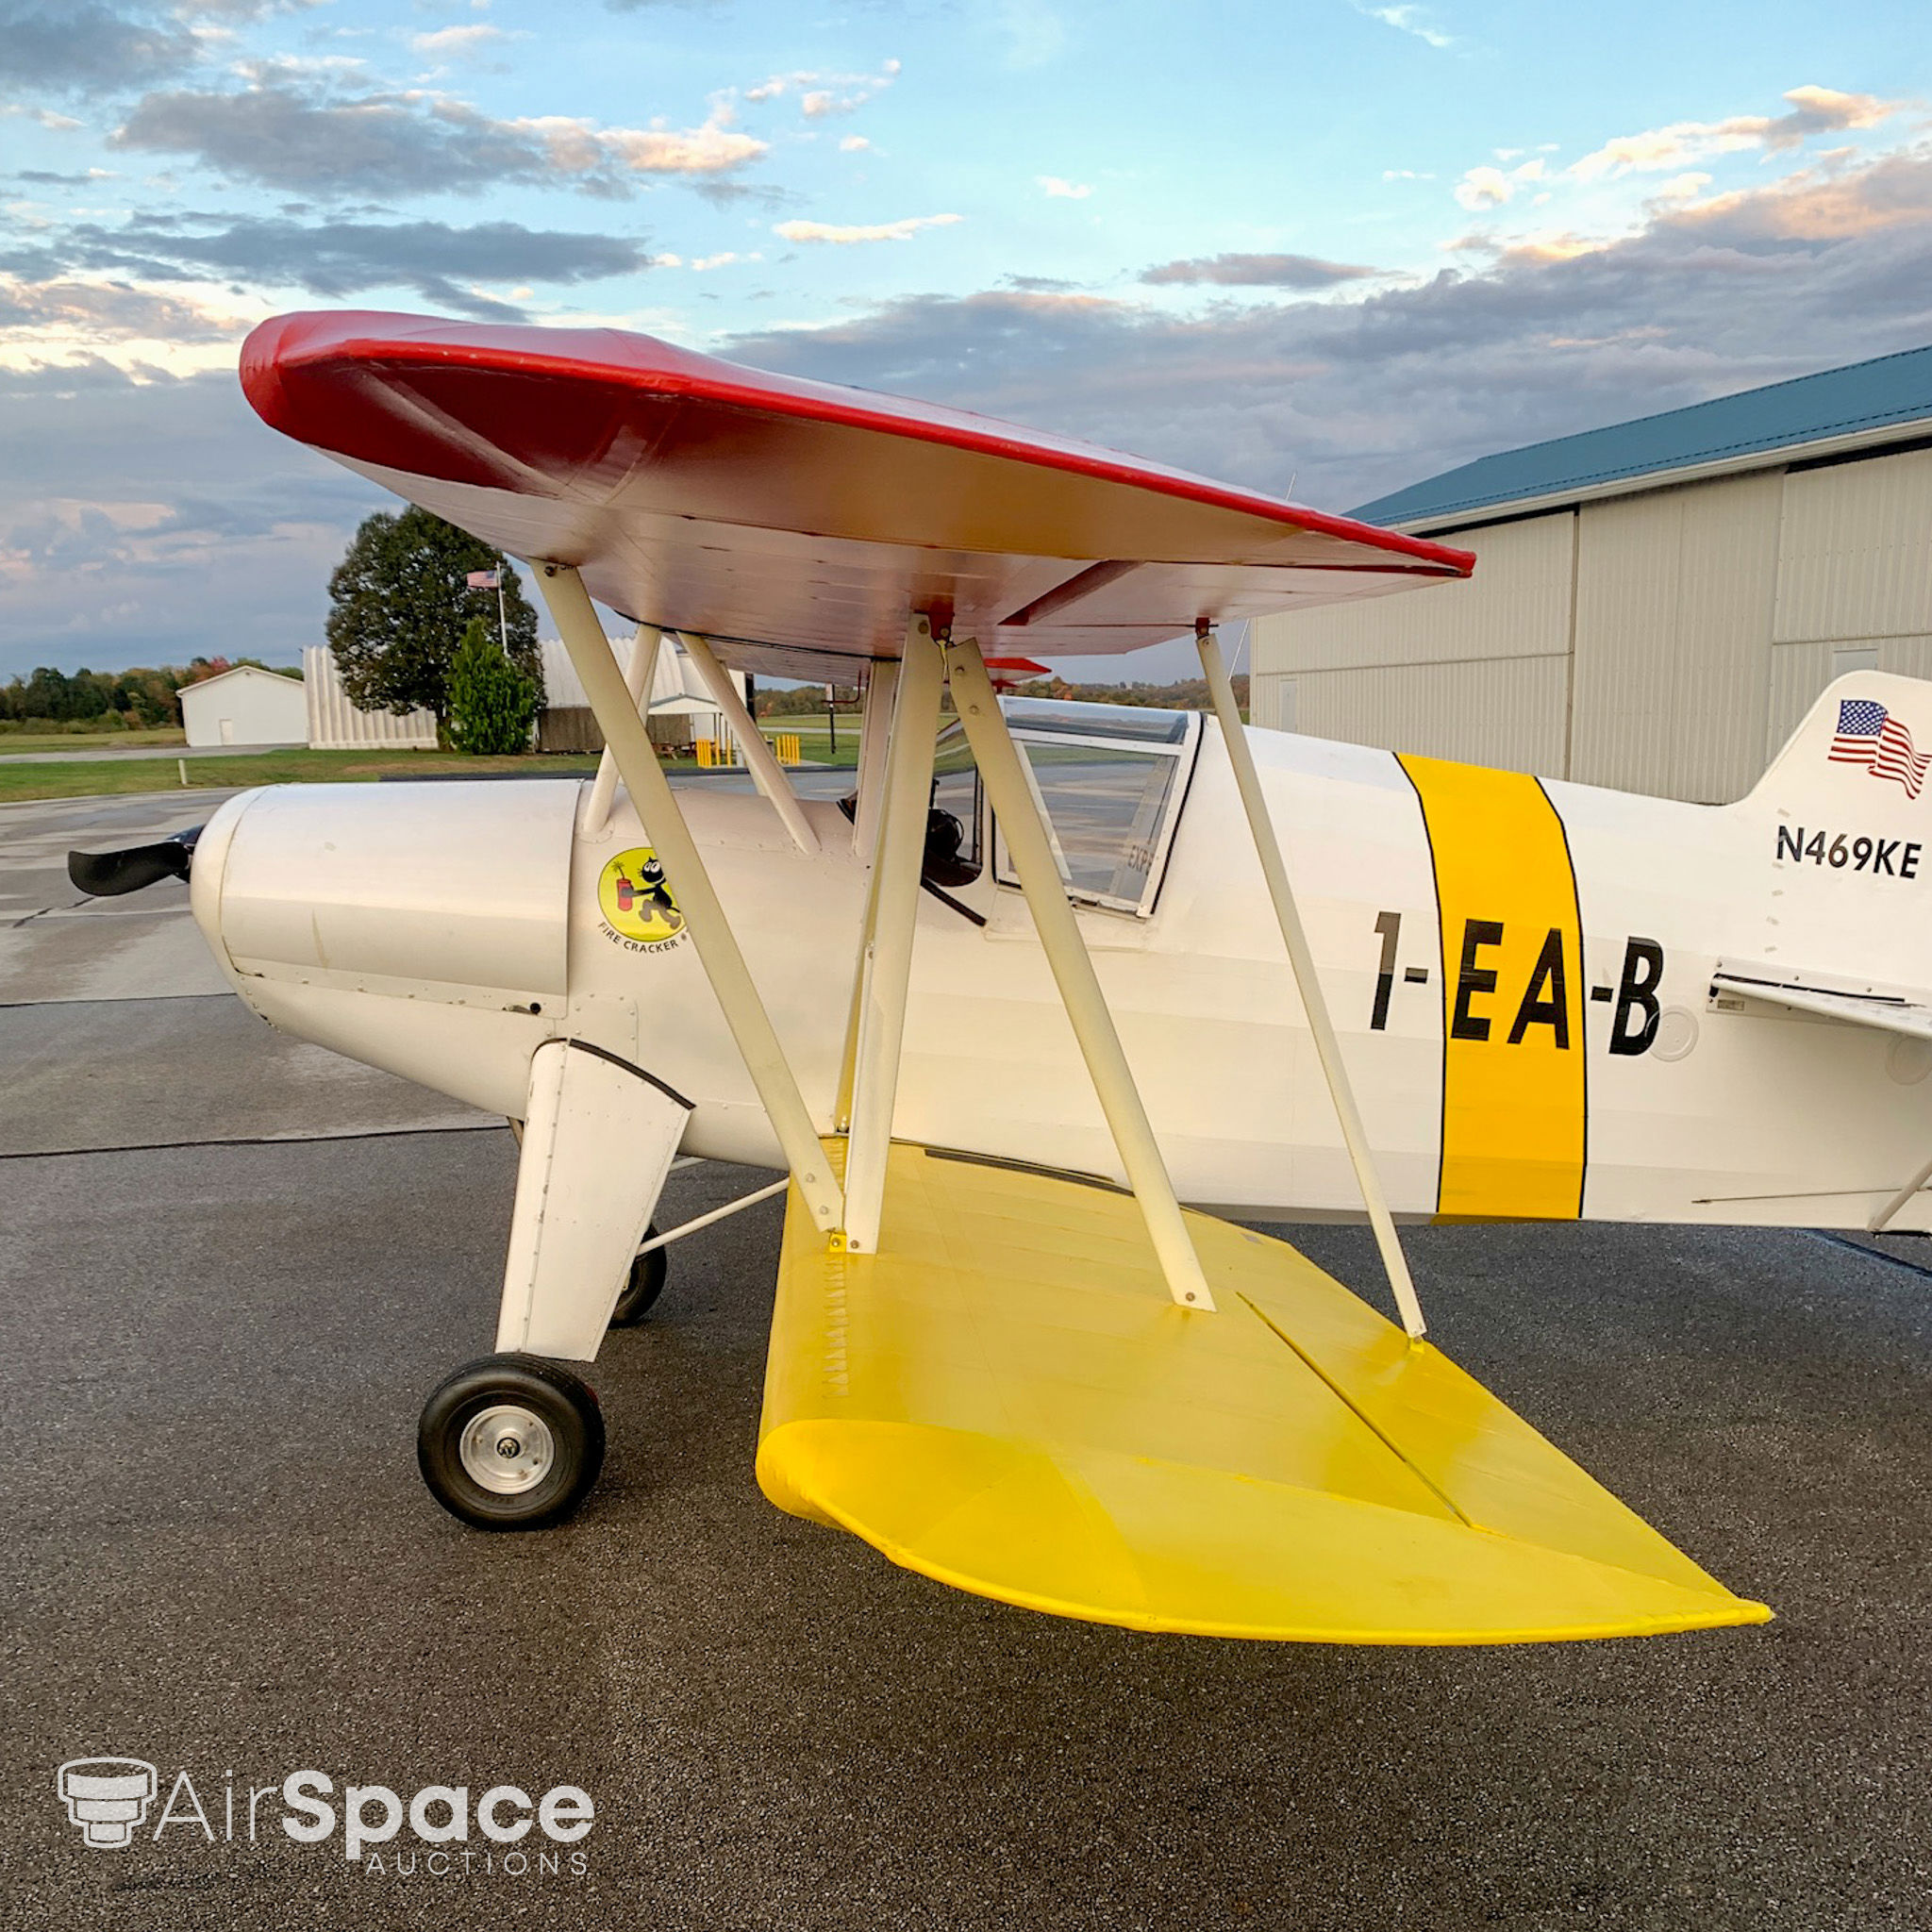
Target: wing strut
x,y
767,774
870,778
583,637
885,960
1900,1201
881,689
1302,961
639,680
1015,803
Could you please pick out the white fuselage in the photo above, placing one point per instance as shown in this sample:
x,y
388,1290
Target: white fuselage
x,y
444,931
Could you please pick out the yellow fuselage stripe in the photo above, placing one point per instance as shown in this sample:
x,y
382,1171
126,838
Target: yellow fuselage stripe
x,y
1514,1098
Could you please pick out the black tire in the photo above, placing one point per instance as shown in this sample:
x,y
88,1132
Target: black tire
x,y
544,1475
646,1284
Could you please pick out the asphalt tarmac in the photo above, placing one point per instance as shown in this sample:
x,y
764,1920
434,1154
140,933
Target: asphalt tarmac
x,y
219,1558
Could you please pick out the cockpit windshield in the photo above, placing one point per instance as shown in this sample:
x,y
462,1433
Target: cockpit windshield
x,y
1109,780
1124,723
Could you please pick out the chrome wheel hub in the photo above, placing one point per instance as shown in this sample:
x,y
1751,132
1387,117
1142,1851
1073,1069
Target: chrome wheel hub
x,y
507,1448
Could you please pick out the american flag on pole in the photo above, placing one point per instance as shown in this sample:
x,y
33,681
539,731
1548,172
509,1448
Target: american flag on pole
x,y
1869,735
484,580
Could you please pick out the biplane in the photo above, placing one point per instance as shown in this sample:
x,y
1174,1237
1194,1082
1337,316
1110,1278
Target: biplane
x,y
1054,999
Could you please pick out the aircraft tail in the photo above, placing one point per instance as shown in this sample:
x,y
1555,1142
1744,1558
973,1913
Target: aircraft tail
x,y
1847,810
1867,724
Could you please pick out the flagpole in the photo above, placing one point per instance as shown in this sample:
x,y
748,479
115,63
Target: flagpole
x,y
502,622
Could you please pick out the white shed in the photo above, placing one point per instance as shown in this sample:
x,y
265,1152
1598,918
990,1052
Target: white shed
x,y
245,705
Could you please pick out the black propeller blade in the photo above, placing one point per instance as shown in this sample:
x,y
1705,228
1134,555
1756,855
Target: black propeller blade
x,y
106,874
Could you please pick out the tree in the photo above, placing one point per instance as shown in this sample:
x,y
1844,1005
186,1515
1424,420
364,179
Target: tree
x,y
491,704
399,605
150,696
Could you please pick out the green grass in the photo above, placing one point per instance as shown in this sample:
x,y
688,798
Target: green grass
x,y
108,776
25,738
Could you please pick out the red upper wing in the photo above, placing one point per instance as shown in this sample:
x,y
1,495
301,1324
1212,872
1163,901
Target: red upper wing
x,y
767,511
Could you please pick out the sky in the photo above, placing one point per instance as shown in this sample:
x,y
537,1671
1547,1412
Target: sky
x,y
1319,247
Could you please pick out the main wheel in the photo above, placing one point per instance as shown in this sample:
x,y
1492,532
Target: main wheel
x,y
512,1442
646,1283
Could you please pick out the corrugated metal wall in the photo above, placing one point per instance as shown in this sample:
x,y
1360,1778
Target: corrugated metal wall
x,y
1673,606
1504,711
1855,552
1667,642
1477,669
336,725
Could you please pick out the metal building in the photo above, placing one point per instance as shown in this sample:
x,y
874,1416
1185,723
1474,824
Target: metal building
x,y
1654,605
336,725
680,710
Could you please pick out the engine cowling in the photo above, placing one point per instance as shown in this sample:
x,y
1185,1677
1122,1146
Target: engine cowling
x,y
420,927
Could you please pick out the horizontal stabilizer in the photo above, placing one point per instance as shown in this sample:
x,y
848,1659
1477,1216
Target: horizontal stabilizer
x,y
1005,1398
1886,1011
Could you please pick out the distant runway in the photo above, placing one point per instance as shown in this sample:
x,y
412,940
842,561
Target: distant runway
x,y
221,1559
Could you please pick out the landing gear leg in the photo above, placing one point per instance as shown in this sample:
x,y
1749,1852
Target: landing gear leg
x,y
515,1441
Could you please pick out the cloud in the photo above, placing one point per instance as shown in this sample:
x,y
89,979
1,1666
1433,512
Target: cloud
x,y
1486,187
1364,395
1257,272
1680,188
242,11
41,117
1817,208
698,264
76,313
176,521
1405,175
1813,110
876,231
1056,188
453,42
317,141
854,144
43,177
336,259
146,519
1824,110
821,95
1407,20
577,148
88,47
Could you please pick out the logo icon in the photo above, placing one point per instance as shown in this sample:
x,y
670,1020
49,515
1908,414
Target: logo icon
x,y
636,899
1870,736
107,1798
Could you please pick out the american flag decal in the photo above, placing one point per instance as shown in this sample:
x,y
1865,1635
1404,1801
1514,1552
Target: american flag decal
x,y
1869,735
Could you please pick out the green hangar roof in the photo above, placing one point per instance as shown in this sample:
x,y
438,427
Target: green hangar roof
x,y
1861,406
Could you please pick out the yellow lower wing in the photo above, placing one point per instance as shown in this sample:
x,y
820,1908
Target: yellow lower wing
x,y
1005,1398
